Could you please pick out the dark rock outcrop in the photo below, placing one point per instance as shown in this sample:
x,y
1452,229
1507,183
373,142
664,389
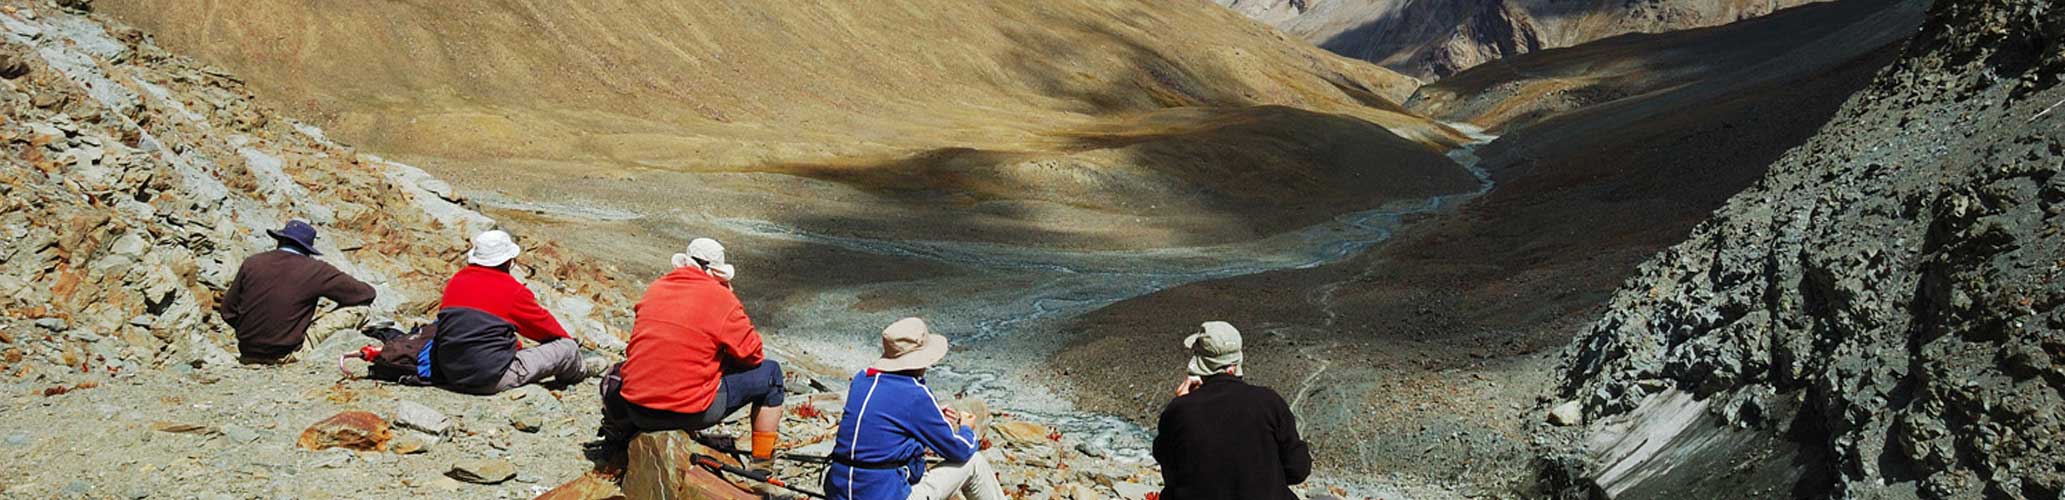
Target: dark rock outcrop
x,y
1430,39
1884,309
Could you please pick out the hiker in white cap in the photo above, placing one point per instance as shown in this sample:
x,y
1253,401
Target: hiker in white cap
x,y
694,359
1222,438
708,255
892,419
481,321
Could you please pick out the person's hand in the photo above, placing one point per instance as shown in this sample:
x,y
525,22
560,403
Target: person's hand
x,y
1188,384
953,418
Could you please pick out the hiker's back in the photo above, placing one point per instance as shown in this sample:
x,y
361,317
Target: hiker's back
x,y
688,328
1228,440
684,299
274,300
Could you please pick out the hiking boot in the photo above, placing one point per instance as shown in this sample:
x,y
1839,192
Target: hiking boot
x,y
761,465
602,453
379,328
594,365
772,492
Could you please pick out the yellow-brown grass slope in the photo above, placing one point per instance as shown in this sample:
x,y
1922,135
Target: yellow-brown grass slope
x,y
1089,122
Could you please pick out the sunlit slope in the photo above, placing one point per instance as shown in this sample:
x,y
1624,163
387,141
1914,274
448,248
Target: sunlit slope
x,y
519,95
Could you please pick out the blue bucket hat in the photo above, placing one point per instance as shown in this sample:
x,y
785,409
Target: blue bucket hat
x,y
297,233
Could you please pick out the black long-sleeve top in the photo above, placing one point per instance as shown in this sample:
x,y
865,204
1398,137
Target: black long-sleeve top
x,y
1230,440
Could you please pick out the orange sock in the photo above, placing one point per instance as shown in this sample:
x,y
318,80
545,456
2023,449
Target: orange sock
x,y
763,445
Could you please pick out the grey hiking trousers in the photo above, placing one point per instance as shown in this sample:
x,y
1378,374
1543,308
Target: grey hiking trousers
x,y
558,359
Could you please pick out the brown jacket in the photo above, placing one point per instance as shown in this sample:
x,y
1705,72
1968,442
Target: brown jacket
x,y
274,297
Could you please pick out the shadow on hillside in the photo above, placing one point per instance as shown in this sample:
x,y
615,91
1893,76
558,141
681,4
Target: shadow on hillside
x,y
1049,51
1518,271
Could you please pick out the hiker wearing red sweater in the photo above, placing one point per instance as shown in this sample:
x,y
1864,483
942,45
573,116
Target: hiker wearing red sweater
x,y
273,299
693,359
482,320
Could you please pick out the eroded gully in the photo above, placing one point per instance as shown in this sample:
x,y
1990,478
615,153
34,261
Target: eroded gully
x,y
1006,327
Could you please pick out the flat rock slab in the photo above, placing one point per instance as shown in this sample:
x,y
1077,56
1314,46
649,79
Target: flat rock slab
x,y
587,487
413,415
484,471
1023,432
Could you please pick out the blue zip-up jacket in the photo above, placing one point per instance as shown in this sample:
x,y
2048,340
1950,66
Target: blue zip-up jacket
x,y
891,418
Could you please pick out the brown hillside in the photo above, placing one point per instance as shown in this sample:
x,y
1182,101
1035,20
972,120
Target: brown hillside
x,y
1081,122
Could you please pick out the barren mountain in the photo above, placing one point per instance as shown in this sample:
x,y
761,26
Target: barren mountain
x,y
1436,342
1431,39
1074,123
135,180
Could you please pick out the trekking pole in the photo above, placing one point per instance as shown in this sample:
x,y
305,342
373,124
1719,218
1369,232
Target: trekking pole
x,y
713,464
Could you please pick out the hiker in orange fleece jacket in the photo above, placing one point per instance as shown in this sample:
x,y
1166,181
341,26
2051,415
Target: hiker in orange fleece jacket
x,y
693,359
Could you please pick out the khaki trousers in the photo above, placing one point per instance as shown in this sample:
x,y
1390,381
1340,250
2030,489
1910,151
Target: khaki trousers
x,y
975,480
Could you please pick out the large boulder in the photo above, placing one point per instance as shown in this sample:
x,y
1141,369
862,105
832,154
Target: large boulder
x,y
662,467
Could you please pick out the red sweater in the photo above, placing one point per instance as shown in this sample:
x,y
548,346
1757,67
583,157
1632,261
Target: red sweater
x,y
494,291
689,329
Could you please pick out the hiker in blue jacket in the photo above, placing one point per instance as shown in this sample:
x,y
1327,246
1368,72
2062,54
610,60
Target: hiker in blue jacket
x,y
891,420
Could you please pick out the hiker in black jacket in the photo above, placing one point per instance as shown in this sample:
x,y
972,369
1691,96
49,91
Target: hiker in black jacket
x,y
1222,438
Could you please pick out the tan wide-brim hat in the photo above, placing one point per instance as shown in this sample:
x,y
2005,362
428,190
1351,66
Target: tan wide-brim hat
x,y
909,345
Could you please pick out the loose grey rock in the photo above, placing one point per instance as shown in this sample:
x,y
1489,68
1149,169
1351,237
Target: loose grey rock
x,y
330,459
129,245
413,415
410,443
239,434
482,471
527,420
1568,414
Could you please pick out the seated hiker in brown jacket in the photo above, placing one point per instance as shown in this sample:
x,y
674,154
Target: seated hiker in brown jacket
x,y
273,299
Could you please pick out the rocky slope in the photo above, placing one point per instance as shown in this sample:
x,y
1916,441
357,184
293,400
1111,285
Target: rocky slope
x,y
135,180
1421,357
1878,317
138,180
1431,39
1596,87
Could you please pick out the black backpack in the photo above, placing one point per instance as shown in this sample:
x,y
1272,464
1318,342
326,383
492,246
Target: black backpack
x,y
471,349
398,355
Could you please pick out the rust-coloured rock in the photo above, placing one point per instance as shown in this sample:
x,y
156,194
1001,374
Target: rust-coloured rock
x,y
590,486
355,430
1027,433
662,466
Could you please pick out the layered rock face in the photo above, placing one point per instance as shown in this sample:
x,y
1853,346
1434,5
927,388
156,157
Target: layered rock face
x,y
1434,39
1881,315
136,181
